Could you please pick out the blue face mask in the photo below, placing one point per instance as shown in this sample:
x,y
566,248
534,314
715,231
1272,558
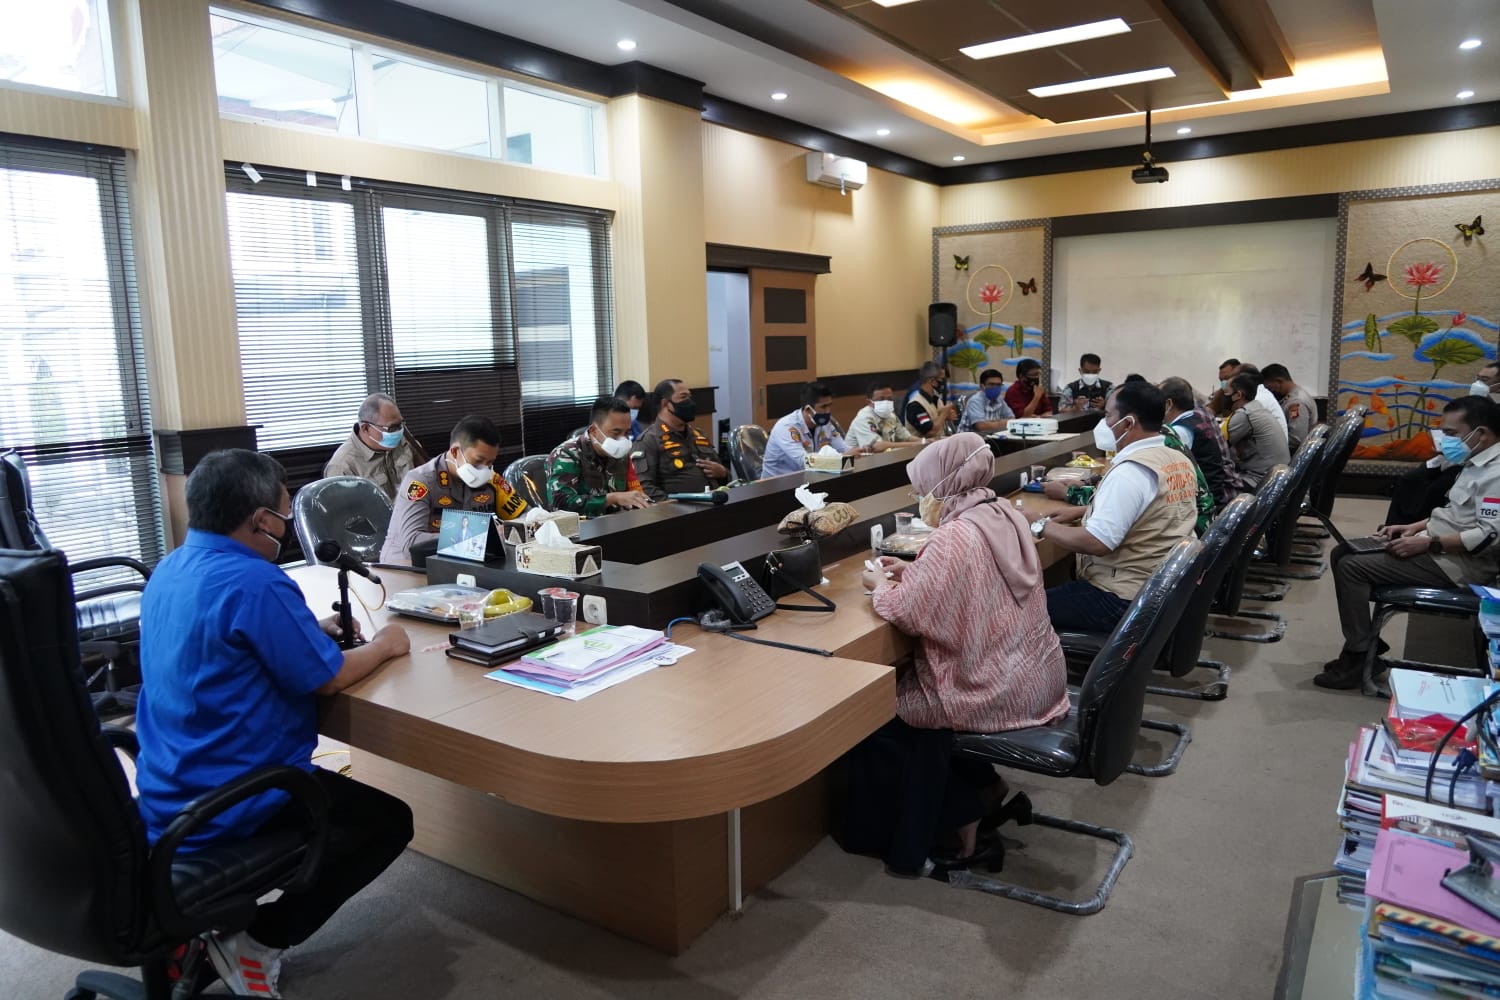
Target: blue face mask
x,y
1454,449
390,439
992,392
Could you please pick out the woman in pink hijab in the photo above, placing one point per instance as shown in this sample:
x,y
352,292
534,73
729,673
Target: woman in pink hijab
x,y
987,660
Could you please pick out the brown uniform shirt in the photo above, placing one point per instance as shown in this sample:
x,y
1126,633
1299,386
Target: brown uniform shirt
x,y
430,489
667,462
385,469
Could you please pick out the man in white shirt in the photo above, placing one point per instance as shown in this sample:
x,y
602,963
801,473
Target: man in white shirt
x,y
877,427
1145,504
1455,546
804,431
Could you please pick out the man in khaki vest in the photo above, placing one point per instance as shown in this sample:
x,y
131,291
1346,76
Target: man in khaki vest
x,y
927,410
1144,505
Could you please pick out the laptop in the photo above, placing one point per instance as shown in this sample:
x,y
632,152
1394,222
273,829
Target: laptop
x,y
1367,544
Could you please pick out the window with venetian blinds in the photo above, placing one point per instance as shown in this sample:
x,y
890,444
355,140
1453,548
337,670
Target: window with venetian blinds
x,y
73,393
451,303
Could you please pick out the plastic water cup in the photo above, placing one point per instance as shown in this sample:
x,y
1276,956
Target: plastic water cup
x,y
565,608
470,616
1038,473
903,522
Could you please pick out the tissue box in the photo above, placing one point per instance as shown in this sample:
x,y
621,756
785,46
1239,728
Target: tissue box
x,y
523,530
1030,426
550,560
819,462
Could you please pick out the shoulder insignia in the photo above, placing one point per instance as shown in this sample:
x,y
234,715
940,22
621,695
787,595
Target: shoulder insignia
x,y
482,498
677,462
495,479
437,523
445,501
416,490
443,478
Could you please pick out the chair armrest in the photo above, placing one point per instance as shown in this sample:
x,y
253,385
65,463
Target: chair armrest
x,y
305,792
120,738
110,562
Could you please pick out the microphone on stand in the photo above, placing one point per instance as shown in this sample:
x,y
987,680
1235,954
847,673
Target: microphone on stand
x,y
716,497
332,553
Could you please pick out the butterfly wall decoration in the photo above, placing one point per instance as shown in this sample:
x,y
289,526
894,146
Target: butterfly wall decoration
x,y
1369,277
1027,287
961,263
1473,229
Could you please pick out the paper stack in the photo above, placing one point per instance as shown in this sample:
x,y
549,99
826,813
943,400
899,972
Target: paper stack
x,y
1424,939
590,661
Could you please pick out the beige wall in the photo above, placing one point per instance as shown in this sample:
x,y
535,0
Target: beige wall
x,y
1347,166
872,309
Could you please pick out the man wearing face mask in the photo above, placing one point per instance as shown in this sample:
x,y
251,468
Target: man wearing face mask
x,y
232,660
927,411
1145,504
1297,404
461,478
877,427
633,395
591,474
1200,434
673,456
1218,403
1259,442
377,449
1454,546
1487,383
1027,396
986,411
1088,391
803,432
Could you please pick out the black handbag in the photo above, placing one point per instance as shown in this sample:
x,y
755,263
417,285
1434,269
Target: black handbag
x,y
792,569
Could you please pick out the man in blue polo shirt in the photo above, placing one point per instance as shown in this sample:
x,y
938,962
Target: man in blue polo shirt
x,y
231,663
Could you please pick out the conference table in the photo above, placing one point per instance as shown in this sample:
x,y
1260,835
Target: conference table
x,y
652,807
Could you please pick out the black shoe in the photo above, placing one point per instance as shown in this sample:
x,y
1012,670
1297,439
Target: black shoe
x,y
1018,809
987,855
1343,674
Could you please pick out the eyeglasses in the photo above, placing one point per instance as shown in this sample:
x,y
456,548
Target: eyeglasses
x,y
382,427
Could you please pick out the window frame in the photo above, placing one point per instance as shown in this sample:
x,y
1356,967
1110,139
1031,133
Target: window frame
x,y
111,14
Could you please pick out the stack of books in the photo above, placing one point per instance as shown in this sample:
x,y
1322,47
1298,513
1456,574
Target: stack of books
x,y
1423,939
500,639
589,661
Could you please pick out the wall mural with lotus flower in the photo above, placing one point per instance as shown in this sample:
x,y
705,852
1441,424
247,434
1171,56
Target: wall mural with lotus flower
x,y
1420,313
999,280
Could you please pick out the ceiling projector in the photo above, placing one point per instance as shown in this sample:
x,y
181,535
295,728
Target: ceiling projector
x,y
1149,174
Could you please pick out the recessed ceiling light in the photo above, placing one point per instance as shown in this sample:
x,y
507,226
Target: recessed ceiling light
x,y
1184,130
779,95
882,131
1046,39
1102,82
625,45
958,159
893,3
1464,95
1470,43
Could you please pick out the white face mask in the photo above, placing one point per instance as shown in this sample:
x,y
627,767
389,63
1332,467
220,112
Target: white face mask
x,y
616,447
474,476
884,408
1104,436
1090,378
930,505
1479,388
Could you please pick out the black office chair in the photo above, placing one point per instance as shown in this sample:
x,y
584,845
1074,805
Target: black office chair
x,y
1344,438
349,510
747,450
1097,737
528,476
76,874
1458,603
1273,562
1223,543
108,613
1228,619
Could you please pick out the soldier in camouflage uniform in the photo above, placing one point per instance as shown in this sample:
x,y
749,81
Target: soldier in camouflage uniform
x,y
591,473
672,456
462,478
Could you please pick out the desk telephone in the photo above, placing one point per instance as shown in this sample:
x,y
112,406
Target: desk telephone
x,y
736,592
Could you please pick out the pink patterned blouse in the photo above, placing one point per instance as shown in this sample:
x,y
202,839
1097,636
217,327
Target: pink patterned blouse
x,y
984,662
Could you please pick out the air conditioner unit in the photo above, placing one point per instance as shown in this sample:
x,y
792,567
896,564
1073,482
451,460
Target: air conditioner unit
x,y
843,172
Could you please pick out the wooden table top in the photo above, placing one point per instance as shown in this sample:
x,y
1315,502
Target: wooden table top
x,y
727,726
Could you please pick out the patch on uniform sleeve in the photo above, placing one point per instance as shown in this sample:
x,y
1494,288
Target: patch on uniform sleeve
x,y
796,434
417,490
637,455
511,503
483,498
1295,411
495,480
1489,507
445,501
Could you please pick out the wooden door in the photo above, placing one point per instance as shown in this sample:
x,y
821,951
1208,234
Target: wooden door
x,y
782,341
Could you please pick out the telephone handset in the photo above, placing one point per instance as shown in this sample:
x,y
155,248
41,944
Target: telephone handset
x,y
735,590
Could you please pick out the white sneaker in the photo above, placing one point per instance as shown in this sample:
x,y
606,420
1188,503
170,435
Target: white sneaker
x,y
247,967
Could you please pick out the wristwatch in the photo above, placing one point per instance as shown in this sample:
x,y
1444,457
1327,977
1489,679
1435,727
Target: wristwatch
x,y
1435,545
1038,526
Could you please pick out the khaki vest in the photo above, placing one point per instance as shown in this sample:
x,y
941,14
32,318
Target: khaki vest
x,y
1167,520
932,411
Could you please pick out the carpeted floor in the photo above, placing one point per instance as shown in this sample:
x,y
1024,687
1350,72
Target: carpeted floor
x,y
1199,911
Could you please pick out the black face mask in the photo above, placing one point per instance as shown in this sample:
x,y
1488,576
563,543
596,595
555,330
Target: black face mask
x,y
686,410
286,534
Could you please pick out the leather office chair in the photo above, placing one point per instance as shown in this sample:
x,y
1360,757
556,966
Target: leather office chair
x,y
1344,438
1223,543
1273,562
1227,619
76,874
350,510
528,476
108,613
1097,738
1459,603
747,450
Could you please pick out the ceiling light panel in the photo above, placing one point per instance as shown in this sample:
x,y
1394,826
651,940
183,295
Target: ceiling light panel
x,y
894,3
1103,82
1046,39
